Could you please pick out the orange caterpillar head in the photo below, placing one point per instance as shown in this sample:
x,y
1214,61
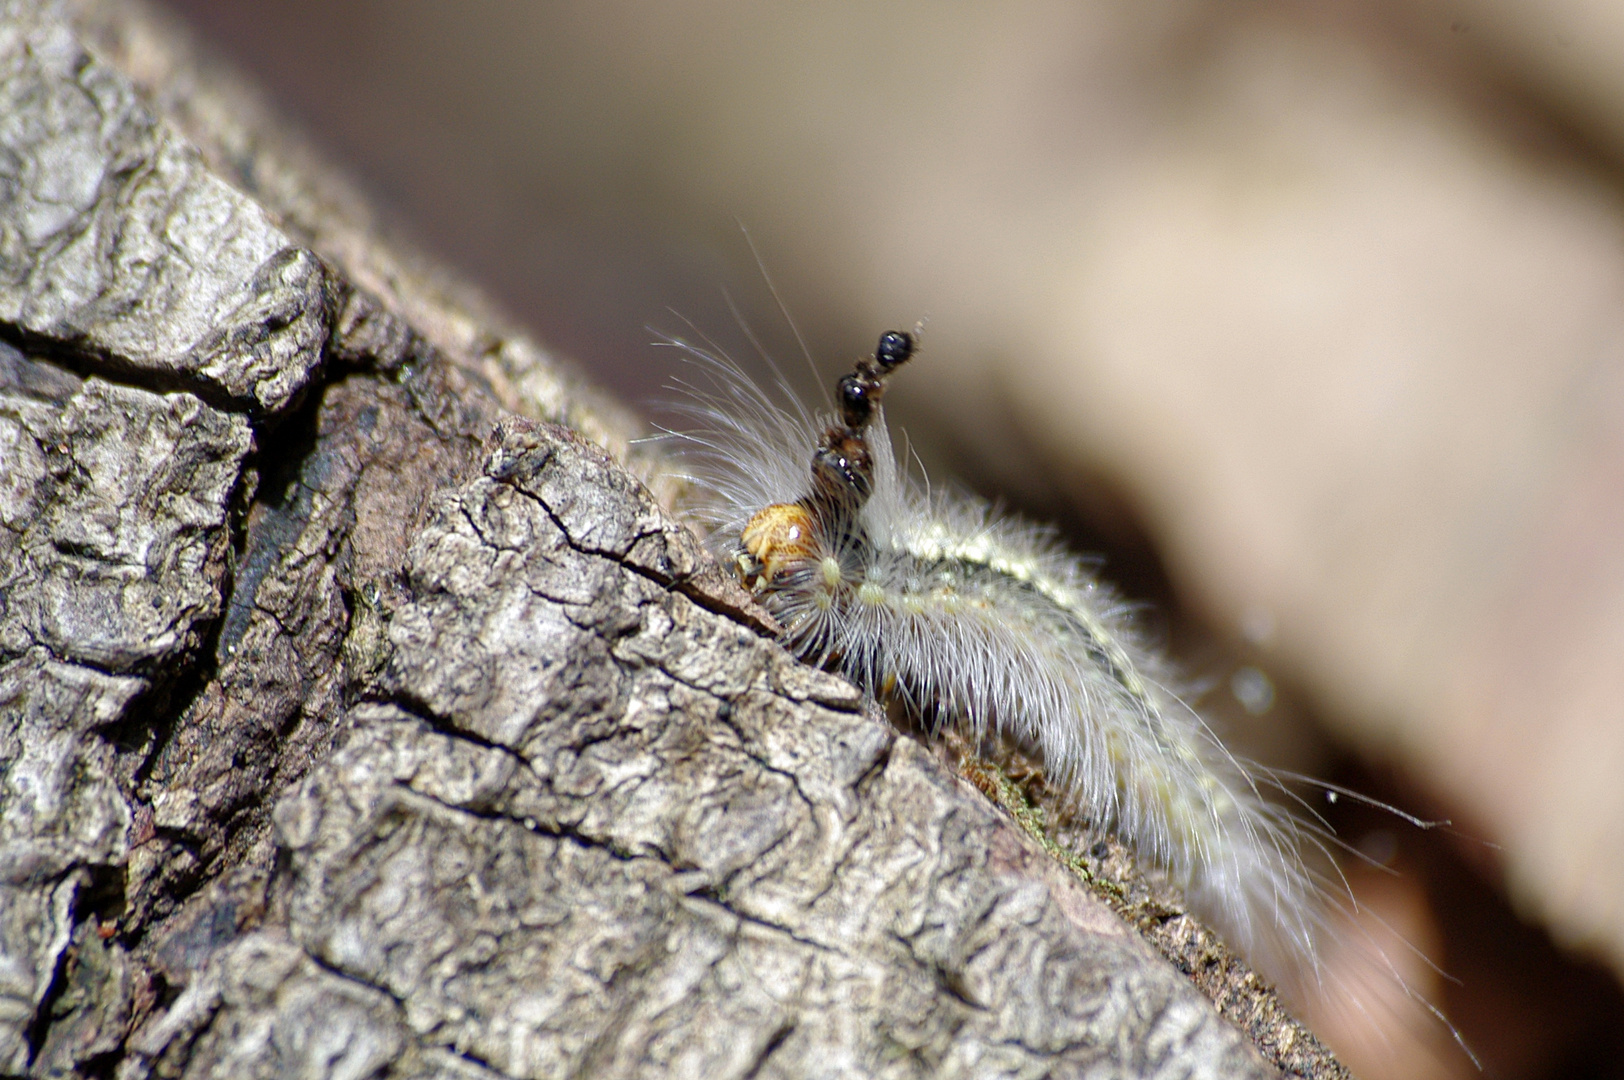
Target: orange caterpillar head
x,y
775,537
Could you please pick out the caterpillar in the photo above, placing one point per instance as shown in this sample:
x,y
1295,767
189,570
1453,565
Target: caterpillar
x,y
933,602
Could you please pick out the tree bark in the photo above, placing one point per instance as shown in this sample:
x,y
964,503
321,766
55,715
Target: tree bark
x,y
362,714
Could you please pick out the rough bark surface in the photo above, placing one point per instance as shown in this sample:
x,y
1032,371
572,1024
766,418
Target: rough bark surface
x,y
361,715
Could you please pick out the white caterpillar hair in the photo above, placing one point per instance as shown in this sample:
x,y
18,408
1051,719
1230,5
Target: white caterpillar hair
x,y
969,618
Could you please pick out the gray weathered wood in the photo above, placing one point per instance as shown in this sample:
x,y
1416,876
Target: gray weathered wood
x,y
354,724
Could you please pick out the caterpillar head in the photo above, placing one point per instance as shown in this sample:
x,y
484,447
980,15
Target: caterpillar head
x,y
773,539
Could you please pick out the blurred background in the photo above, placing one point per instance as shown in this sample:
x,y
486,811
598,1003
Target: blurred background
x,y
1309,315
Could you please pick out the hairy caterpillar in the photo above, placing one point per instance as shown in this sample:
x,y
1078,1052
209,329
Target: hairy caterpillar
x,y
934,602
